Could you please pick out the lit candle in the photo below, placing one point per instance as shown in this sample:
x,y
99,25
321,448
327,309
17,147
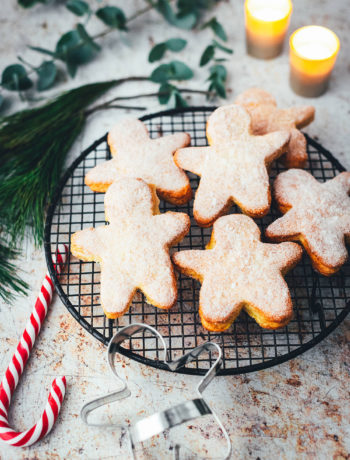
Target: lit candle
x,y
266,24
313,52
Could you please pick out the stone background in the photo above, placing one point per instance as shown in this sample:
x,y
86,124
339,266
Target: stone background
x,y
298,410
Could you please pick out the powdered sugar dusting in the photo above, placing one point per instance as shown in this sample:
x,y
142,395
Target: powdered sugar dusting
x,y
134,249
240,269
320,213
136,155
267,118
233,168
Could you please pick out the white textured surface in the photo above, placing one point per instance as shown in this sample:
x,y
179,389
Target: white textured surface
x,y
298,410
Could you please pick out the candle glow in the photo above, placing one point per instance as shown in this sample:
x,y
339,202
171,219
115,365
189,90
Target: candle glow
x,y
313,52
266,26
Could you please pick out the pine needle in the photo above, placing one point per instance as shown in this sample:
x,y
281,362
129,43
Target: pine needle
x,y
9,279
33,148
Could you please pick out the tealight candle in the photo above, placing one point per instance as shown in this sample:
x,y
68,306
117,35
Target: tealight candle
x,y
313,52
266,23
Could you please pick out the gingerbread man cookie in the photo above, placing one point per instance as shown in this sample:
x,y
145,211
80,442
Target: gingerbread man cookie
x,y
316,214
136,155
239,271
134,249
233,168
266,118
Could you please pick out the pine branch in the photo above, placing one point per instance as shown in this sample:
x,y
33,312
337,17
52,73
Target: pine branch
x,y
33,148
10,283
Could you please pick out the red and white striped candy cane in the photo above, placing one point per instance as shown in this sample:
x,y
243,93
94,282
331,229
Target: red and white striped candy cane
x,y
18,362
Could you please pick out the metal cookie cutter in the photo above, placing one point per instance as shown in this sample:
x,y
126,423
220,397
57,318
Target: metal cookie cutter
x,y
169,418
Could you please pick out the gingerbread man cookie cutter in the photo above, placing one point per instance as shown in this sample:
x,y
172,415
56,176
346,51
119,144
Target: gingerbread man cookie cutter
x,y
167,419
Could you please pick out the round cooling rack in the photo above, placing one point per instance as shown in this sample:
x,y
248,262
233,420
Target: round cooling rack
x,y
320,303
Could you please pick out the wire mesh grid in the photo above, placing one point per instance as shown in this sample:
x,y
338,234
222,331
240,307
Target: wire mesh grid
x,y
320,303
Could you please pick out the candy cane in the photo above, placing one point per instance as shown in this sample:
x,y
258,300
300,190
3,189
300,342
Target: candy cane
x,y
17,365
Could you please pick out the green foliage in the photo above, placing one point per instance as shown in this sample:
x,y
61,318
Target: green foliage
x,y
173,44
176,44
14,78
112,16
169,94
10,281
207,55
181,19
30,3
76,47
217,79
1,101
209,52
33,147
225,49
78,7
157,52
217,28
188,11
34,143
175,70
42,51
47,72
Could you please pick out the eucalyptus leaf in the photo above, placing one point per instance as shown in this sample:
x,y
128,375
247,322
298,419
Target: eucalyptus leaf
x,y
217,28
47,73
173,44
78,7
217,78
207,55
42,50
75,49
181,71
175,70
222,48
176,44
14,78
218,71
179,100
29,3
86,37
164,93
182,21
220,88
161,74
71,68
112,16
176,100
157,52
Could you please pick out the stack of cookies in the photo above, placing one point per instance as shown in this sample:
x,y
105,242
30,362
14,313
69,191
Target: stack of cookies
x,y
237,270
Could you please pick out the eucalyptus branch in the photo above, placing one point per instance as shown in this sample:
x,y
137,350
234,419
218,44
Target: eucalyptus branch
x,y
107,104
79,45
131,18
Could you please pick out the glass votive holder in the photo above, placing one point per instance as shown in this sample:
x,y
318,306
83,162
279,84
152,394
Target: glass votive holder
x,y
313,52
266,24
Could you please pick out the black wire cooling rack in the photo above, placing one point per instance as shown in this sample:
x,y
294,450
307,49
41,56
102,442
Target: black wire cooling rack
x,y
320,303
